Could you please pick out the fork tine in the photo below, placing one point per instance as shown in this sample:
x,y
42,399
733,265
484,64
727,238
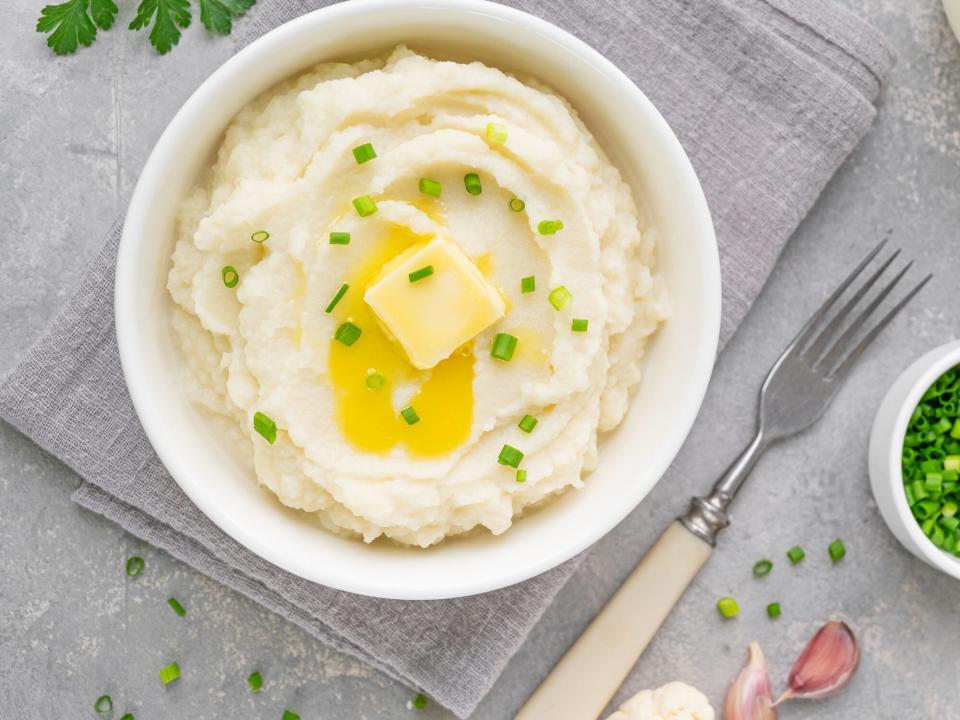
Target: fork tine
x,y
843,343
806,332
819,345
844,367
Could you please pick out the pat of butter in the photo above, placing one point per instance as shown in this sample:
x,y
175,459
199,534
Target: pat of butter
x,y
434,316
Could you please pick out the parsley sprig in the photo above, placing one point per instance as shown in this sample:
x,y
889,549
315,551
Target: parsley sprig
x,y
74,23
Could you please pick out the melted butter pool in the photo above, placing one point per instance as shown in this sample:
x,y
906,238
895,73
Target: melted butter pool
x,y
366,416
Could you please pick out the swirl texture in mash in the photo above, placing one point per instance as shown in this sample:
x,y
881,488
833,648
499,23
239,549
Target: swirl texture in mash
x,y
286,166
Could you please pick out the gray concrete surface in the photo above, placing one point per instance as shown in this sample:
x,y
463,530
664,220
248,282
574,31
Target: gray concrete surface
x,y
73,135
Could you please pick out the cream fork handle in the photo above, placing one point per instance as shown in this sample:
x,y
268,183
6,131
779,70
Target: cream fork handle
x,y
586,678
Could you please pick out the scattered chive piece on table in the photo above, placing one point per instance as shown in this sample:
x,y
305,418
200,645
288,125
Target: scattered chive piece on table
x,y
837,550
560,297
266,427
375,381
169,673
516,204
471,181
728,607
504,345
290,715
135,565
410,415
128,716
796,554
363,153
773,610
255,681
347,333
260,236
579,325
762,568
509,455
496,133
549,227
177,607
430,187
230,276
521,476
364,205
336,298
424,272
528,423
339,238
103,705
528,284
930,462
419,701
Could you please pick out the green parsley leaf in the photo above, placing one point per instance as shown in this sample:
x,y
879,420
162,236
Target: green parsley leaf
x,y
69,26
104,13
171,17
217,15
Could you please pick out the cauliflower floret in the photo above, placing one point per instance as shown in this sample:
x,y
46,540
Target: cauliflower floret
x,y
673,701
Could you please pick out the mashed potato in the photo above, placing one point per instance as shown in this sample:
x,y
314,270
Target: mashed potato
x,y
343,449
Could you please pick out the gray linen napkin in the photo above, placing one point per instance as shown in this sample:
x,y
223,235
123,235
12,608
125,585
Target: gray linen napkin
x,y
767,96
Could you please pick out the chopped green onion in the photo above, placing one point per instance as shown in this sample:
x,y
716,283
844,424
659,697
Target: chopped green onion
x,y
521,476
549,227
516,204
169,673
347,333
375,381
177,607
728,607
509,455
762,568
410,415
135,565
471,182
773,610
290,715
430,187
528,284
103,705
951,462
363,153
128,716
496,133
266,427
796,554
260,236
425,271
339,238
230,276
255,681
837,550
364,205
949,509
419,701
955,432
579,325
503,346
336,298
528,423
560,297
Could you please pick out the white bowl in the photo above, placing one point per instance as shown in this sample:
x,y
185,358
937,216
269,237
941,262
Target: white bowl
x,y
886,447
952,8
678,365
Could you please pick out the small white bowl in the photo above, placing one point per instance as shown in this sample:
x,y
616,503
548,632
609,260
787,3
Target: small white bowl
x,y
677,366
952,8
886,447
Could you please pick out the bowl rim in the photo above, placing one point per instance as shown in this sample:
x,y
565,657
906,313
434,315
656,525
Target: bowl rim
x,y
126,319
935,363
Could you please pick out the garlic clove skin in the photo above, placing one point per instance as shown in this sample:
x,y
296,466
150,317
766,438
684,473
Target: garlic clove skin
x,y
826,664
749,697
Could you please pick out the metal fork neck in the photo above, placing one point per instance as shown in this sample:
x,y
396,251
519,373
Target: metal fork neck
x,y
708,515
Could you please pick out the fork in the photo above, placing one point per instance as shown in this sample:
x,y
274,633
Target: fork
x,y
796,392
